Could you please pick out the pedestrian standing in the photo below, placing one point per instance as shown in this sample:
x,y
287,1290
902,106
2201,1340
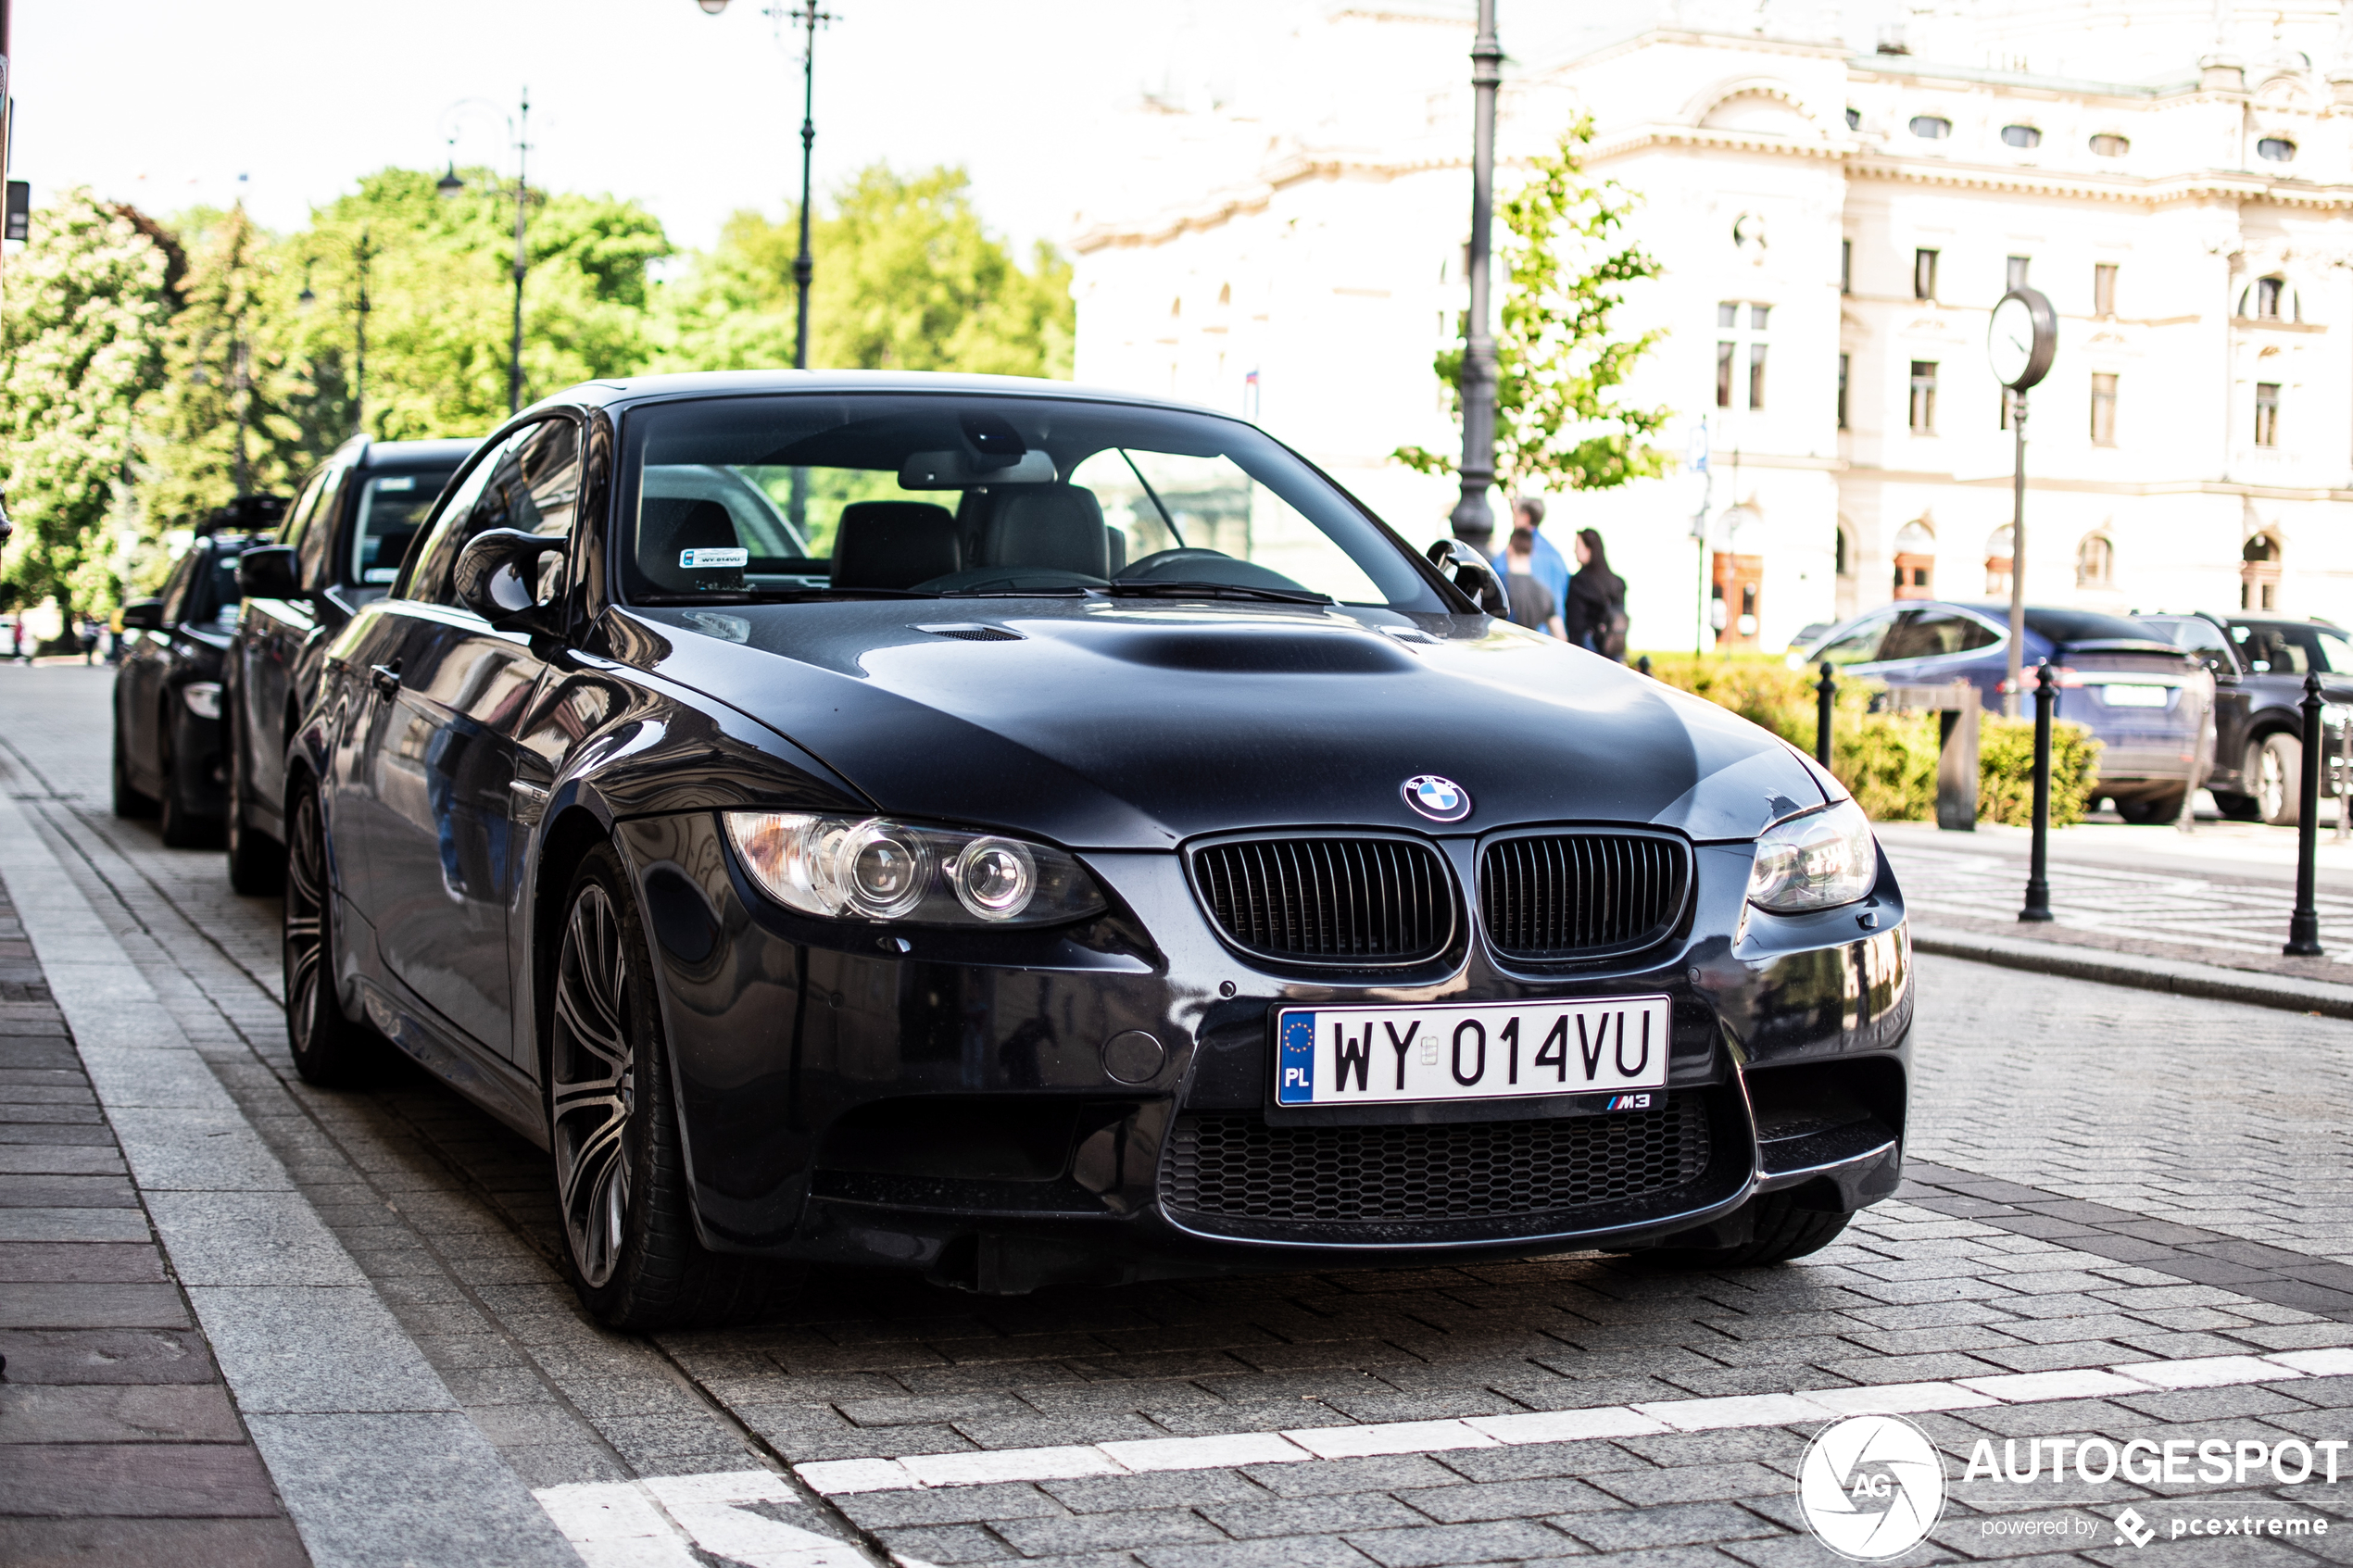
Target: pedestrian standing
x,y
1595,613
1530,603
1547,565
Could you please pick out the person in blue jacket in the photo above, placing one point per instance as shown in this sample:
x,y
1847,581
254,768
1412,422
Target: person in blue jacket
x,y
1547,565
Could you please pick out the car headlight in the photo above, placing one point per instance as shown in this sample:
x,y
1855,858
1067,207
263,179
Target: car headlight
x,y
1816,861
202,698
870,868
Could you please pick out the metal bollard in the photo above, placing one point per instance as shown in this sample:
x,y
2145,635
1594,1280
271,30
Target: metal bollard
x,y
1644,664
2345,781
2038,878
1825,704
2304,925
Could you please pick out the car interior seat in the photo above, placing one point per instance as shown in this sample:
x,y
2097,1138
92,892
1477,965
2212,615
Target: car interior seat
x,y
894,544
1055,526
668,526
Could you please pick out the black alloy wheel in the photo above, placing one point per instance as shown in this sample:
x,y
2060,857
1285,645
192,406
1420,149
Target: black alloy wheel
x,y
630,1249
329,1050
257,861
129,802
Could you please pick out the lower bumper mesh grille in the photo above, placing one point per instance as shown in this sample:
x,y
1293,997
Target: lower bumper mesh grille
x,y
1235,1164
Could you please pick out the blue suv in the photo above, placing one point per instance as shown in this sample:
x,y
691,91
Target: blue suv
x,y
2143,699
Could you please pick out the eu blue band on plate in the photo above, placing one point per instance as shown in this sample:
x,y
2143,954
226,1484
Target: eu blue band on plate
x,y
1295,1060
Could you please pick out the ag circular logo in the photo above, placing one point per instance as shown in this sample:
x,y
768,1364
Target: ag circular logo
x,y
1871,1486
1441,800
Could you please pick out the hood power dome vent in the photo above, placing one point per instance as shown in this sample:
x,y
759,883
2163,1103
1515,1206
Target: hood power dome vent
x,y
973,631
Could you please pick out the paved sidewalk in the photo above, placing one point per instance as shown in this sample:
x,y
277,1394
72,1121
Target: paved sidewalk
x,y
119,1442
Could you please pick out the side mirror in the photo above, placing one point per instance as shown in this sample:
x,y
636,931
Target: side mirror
x,y
1473,573
497,577
267,571
142,615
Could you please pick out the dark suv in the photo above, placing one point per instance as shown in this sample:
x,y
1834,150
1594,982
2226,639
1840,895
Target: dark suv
x,y
341,546
166,691
2259,665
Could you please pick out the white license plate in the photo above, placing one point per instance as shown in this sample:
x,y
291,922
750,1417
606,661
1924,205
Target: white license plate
x,y
2134,696
1475,1050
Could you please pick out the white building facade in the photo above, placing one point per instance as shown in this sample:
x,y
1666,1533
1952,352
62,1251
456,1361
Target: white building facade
x,y
1836,218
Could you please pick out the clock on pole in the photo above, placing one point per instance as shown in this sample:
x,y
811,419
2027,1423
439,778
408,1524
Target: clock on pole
x,y
2021,341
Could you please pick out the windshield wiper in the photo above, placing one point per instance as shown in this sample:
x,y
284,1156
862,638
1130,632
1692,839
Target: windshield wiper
x,y
1216,591
777,596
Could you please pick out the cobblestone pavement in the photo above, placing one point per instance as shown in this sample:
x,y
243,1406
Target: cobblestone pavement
x,y
2128,1219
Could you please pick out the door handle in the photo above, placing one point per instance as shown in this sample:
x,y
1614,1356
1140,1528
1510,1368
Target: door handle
x,y
386,677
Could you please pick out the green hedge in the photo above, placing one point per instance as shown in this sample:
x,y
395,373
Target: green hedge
x,y
1888,760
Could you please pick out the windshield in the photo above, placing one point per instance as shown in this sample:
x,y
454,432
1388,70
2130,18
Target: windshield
x,y
799,496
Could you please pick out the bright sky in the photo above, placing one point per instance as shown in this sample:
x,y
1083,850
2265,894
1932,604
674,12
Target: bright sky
x,y
166,104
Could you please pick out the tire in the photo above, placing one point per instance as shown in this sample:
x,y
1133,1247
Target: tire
x,y
257,861
129,803
2152,808
2276,763
330,1050
2237,808
622,1194
1783,1232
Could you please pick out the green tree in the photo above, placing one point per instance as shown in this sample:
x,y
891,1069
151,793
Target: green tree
x,y
79,344
908,277
235,412
1559,422
441,287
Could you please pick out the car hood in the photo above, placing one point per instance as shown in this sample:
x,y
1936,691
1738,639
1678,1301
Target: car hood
x,y
1107,724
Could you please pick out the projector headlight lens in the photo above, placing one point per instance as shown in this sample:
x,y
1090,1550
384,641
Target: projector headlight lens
x,y
1817,861
872,868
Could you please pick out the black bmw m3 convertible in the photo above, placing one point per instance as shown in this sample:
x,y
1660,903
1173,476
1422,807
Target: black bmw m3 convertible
x,y
1030,836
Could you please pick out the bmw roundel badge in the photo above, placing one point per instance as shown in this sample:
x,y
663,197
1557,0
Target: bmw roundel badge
x,y
1441,800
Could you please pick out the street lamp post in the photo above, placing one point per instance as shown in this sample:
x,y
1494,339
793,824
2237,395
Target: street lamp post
x,y
449,184
804,266
1473,522
362,253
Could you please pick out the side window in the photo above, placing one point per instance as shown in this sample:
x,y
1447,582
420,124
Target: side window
x,y
313,556
1931,633
385,514
1861,646
473,506
2268,653
175,590
2205,640
2337,652
290,531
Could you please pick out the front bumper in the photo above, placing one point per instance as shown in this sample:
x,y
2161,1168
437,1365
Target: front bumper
x,y
978,1106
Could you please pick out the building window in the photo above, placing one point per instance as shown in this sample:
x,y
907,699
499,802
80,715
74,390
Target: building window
x,y
2275,149
2260,573
1846,266
1843,555
2021,136
2104,288
2109,145
1732,337
2266,413
1853,118
1843,360
2096,562
2268,293
1931,127
2014,275
2103,410
1923,398
1924,274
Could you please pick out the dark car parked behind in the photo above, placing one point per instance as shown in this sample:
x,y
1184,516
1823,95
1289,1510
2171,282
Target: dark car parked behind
x,y
166,692
341,547
2132,690
2259,665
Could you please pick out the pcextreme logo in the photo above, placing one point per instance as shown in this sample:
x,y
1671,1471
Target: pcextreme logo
x,y
1871,1486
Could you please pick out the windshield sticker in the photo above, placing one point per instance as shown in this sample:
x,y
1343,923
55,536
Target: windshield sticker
x,y
707,560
